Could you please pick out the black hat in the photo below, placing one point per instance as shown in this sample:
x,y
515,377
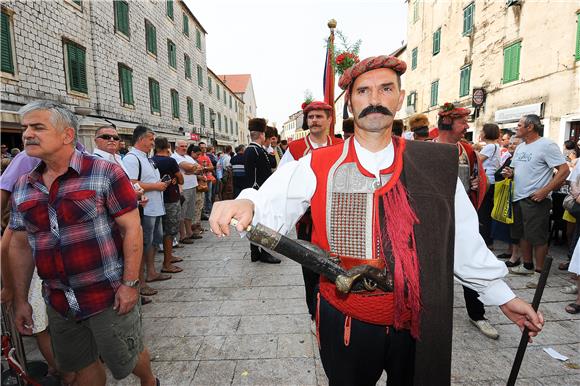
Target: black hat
x,y
257,124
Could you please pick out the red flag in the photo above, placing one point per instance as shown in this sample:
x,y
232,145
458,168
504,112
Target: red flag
x,y
329,77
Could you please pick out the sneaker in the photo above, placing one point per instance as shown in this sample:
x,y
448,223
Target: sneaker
x,y
521,270
313,327
486,328
534,282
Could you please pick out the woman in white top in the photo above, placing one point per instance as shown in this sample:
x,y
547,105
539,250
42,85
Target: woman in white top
x,y
490,155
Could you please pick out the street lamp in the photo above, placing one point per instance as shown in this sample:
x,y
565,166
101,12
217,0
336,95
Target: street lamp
x,y
212,119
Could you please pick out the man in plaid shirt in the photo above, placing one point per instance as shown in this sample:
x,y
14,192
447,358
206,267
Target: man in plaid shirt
x,y
78,213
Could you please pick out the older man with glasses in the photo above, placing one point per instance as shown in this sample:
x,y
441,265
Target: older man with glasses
x,y
107,142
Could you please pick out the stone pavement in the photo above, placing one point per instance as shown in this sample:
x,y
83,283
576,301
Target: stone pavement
x,y
225,320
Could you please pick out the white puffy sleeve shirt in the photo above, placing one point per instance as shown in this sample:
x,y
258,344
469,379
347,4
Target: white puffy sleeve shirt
x,y
286,195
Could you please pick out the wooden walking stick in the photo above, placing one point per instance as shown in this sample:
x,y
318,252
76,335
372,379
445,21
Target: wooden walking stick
x,y
524,339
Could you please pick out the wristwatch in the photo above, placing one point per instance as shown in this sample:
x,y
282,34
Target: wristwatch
x,y
131,283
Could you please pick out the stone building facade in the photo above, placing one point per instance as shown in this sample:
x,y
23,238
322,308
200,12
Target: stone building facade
x,y
242,85
524,56
128,62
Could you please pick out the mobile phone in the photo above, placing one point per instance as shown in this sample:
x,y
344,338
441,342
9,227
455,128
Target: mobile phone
x,y
166,178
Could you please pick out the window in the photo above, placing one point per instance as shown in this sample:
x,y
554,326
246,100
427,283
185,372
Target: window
x,y
225,100
189,110
169,9
154,96
199,76
414,58
209,85
434,93
236,105
75,65
171,54
211,120
231,125
202,114
122,17
78,2
126,85
150,37
185,25
468,19
415,11
511,62
577,37
7,53
231,102
437,41
187,65
236,128
464,81
226,123
219,121
217,91
174,104
198,38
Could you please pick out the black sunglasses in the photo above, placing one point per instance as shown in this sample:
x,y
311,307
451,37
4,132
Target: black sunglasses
x,y
108,137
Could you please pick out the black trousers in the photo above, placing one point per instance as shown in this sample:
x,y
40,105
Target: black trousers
x,y
372,349
311,278
484,216
474,306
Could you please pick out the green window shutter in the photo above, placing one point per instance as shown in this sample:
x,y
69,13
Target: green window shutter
x,y
7,58
578,37
468,18
126,84
464,81
187,64
185,25
434,93
219,121
154,97
511,62
225,100
415,11
122,16
217,91
231,125
202,114
437,41
189,110
211,121
78,2
231,102
414,58
226,123
199,76
209,85
151,37
171,54
198,38
174,104
77,67
169,9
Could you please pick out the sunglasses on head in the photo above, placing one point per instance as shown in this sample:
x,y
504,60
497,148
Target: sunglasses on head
x,y
108,137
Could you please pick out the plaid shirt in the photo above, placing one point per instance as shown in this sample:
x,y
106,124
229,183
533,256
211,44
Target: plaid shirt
x,y
76,244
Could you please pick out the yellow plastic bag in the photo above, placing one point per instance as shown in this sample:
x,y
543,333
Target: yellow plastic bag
x,y
502,201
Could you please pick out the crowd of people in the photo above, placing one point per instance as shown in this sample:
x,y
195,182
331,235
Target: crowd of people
x,y
79,249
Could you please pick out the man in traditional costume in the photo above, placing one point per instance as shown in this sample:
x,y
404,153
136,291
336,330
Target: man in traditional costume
x,y
405,211
453,124
318,119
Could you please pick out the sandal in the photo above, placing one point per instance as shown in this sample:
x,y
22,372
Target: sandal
x,y
176,259
145,300
159,277
148,291
172,269
564,266
570,290
572,308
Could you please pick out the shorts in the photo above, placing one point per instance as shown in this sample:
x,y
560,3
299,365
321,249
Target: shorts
x,y
117,339
152,231
170,220
39,317
532,221
199,201
188,207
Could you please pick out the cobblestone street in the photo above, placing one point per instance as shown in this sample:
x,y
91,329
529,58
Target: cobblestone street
x,y
225,320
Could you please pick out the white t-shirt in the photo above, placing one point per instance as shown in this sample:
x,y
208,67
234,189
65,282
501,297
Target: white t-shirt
x,y
493,153
189,180
149,174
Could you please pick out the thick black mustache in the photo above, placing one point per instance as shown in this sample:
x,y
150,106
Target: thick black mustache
x,y
375,109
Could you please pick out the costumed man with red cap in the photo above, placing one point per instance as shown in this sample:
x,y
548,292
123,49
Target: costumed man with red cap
x,y
405,212
453,125
318,119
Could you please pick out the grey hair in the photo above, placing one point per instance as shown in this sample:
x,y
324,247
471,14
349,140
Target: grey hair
x,y
60,116
533,119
